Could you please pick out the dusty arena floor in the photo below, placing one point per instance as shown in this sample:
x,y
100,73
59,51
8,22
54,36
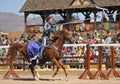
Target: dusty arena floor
x,y
26,78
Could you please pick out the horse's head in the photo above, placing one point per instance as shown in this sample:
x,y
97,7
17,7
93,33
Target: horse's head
x,y
68,35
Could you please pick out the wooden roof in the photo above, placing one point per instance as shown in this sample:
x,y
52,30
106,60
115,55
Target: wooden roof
x,y
42,5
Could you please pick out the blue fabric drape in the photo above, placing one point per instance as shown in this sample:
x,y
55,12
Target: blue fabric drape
x,y
33,49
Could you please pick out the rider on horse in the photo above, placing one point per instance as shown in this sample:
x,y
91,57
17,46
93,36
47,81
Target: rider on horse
x,y
36,47
48,30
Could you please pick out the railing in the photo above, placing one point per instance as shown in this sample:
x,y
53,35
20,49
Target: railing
x,y
23,64
72,63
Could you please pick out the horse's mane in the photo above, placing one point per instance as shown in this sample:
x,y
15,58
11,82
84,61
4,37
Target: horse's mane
x,y
56,36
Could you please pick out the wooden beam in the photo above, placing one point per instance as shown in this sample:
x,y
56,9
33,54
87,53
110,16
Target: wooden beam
x,y
95,23
87,71
82,1
63,15
110,14
86,13
44,15
110,11
25,20
113,72
87,16
43,18
69,14
89,13
99,72
92,1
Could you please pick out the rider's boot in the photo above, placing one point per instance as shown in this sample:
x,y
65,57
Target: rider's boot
x,y
41,54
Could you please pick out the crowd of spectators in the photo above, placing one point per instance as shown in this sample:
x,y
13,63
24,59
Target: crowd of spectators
x,y
6,41
93,38
81,38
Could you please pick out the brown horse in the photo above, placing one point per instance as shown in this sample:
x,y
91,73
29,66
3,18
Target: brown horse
x,y
53,53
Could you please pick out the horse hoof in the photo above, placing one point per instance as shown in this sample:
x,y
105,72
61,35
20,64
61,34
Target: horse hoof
x,y
66,79
53,76
36,78
37,74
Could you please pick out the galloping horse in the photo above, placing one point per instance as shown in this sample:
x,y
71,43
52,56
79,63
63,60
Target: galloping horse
x,y
52,53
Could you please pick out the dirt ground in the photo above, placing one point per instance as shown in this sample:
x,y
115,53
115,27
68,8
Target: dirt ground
x,y
26,78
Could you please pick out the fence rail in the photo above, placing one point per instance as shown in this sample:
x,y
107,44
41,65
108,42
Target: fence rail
x,y
66,57
87,63
95,45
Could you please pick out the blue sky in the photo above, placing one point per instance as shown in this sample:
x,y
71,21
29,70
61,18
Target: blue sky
x,y
11,6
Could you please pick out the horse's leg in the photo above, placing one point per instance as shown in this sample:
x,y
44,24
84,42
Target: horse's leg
x,y
62,65
32,69
35,74
58,66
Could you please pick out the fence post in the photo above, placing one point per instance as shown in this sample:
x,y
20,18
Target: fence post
x,y
24,64
87,69
113,71
99,72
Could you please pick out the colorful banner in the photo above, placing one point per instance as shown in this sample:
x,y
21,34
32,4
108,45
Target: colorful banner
x,y
112,26
106,26
77,27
